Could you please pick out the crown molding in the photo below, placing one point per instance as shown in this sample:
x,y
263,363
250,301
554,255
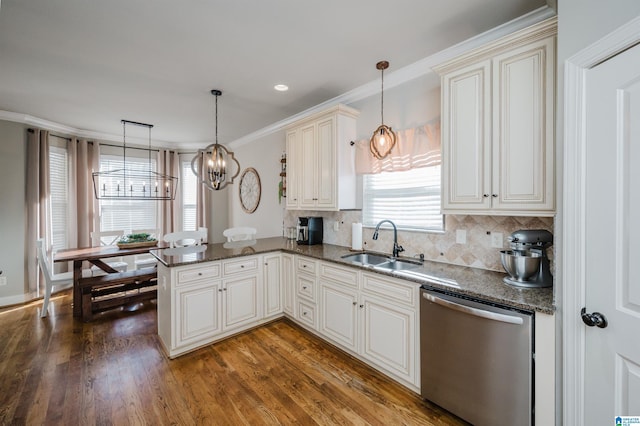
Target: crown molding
x,y
392,79
65,130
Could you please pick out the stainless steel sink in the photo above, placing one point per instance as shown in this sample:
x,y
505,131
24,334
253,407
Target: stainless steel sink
x,y
366,259
381,261
399,265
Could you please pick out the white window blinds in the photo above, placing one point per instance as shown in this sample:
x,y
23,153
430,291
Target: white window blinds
x,y
411,199
189,196
58,180
127,215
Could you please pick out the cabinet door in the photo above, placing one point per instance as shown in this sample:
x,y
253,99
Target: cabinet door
x,y
293,169
466,137
338,314
308,196
388,337
242,304
288,288
523,110
197,313
272,285
327,173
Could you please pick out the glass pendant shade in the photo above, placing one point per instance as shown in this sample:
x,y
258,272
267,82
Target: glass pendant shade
x,y
383,139
215,166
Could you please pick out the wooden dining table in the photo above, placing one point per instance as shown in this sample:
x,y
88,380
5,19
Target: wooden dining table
x,y
96,256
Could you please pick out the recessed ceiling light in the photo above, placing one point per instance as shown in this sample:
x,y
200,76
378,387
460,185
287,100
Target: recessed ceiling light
x,y
281,87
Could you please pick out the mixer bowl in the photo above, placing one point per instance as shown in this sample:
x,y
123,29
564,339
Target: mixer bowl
x,y
521,267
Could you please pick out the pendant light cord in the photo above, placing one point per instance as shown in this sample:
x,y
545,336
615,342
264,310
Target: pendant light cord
x,y
382,99
217,119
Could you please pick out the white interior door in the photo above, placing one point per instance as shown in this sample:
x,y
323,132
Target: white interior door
x,y
612,236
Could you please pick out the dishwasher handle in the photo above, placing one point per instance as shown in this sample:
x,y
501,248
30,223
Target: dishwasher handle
x,y
494,316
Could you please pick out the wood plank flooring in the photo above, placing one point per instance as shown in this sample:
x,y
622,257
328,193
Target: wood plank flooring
x,y
59,370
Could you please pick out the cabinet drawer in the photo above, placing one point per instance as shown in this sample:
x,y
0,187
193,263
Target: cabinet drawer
x,y
306,286
307,314
338,274
306,265
390,288
241,265
211,270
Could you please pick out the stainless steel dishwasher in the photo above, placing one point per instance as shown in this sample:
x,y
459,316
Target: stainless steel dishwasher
x,y
476,359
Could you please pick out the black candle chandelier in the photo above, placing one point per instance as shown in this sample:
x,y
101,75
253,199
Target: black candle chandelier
x,y
212,164
136,182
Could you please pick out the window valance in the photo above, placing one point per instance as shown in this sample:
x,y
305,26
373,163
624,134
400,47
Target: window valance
x,y
416,147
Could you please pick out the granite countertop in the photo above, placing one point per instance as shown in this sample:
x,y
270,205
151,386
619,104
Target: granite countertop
x,y
472,282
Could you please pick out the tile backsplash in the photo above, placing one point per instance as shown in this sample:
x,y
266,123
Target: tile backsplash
x,y
477,252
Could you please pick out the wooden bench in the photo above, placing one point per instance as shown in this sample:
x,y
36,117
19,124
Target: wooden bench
x,y
113,290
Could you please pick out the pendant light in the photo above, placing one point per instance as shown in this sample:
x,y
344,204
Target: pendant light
x,y
383,139
214,169
136,183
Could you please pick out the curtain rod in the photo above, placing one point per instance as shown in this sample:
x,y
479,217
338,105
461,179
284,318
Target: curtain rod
x,y
109,144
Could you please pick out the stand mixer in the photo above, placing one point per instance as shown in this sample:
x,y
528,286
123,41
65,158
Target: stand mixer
x,y
527,263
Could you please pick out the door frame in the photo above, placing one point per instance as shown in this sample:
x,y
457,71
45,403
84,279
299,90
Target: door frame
x,y
573,211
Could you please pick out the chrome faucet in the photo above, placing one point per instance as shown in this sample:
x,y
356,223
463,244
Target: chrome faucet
x,y
396,248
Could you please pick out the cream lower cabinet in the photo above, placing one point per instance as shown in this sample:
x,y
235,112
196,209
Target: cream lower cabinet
x,y
305,287
498,126
197,312
288,287
273,290
372,317
199,304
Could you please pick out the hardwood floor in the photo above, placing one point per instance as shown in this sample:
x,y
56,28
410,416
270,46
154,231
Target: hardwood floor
x,y
59,370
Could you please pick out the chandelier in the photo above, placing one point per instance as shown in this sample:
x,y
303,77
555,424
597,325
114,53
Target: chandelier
x,y
211,164
136,182
383,139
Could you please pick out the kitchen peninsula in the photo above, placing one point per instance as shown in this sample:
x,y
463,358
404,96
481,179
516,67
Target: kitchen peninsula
x,y
473,282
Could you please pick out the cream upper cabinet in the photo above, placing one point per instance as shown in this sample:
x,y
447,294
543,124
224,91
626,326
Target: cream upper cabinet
x,y
320,161
498,126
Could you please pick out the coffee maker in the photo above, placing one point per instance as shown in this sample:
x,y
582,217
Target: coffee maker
x,y
310,230
527,263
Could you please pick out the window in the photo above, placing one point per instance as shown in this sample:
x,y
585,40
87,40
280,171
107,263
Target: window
x,y
411,199
189,196
127,215
58,179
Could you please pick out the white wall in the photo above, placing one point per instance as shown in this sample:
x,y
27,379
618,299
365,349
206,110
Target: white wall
x,y
218,214
264,156
13,159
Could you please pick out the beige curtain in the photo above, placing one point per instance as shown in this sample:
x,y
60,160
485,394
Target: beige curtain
x,y
83,206
417,147
170,212
38,209
203,199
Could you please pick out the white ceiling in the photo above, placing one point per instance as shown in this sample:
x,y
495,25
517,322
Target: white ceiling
x,y
89,64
